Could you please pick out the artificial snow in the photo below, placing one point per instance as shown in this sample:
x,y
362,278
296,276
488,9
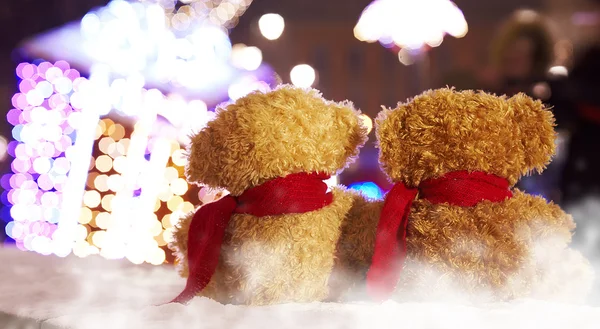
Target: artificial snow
x,y
48,292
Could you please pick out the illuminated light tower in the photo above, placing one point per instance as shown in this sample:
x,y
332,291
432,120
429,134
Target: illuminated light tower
x,y
113,144
410,27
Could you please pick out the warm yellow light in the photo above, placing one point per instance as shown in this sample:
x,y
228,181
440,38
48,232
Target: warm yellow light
x,y
179,186
104,144
101,183
107,202
367,122
117,132
98,132
125,143
107,123
171,174
85,216
90,179
174,203
187,207
103,220
165,193
157,205
115,182
115,150
160,240
166,221
156,228
91,199
156,256
168,235
102,125
98,238
104,163
81,232
120,164
179,158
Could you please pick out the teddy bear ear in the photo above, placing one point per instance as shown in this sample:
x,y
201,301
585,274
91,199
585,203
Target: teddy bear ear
x,y
536,131
353,126
199,166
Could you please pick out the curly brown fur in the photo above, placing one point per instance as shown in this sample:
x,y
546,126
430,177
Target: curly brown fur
x,y
267,135
491,246
179,243
274,259
355,248
445,130
278,259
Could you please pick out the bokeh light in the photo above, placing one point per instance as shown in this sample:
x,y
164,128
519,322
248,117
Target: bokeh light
x,y
244,57
410,24
303,75
3,148
367,122
271,26
368,189
98,163
113,219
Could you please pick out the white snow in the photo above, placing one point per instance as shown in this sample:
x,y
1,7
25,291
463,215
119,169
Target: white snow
x,y
47,292
94,293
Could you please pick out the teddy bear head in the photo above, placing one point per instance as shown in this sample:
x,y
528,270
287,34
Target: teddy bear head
x,y
445,130
267,135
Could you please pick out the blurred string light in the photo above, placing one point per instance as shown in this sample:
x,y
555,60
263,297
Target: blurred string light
x,y
182,13
368,189
113,218
108,145
303,75
46,117
271,26
410,24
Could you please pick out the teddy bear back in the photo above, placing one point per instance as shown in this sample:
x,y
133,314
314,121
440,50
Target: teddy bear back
x,y
262,136
445,130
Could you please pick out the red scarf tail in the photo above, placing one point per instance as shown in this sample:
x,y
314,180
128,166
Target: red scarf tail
x,y
205,237
390,242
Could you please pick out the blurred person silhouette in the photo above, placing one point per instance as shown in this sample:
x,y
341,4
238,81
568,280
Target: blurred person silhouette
x,y
581,176
522,53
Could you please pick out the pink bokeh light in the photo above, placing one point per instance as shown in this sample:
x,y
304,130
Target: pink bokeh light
x,y
42,134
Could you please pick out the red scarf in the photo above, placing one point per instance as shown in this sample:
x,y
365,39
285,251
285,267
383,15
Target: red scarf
x,y
295,193
458,188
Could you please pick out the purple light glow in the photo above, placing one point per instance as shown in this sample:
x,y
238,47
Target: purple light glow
x,y
43,119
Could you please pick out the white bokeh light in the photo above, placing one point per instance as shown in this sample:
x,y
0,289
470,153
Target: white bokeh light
x,y
303,75
244,57
271,26
410,24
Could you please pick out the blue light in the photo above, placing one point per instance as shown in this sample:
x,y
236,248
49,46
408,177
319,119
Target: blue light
x,y
368,189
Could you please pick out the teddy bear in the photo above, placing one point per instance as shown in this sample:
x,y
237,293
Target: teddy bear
x,y
274,237
453,225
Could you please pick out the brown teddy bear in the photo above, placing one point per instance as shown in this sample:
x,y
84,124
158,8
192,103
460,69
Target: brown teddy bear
x,y
273,239
452,225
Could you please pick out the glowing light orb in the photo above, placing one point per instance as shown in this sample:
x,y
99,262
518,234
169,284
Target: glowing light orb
x,y
559,71
367,122
271,26
303,75
244,57
368,189
410,24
